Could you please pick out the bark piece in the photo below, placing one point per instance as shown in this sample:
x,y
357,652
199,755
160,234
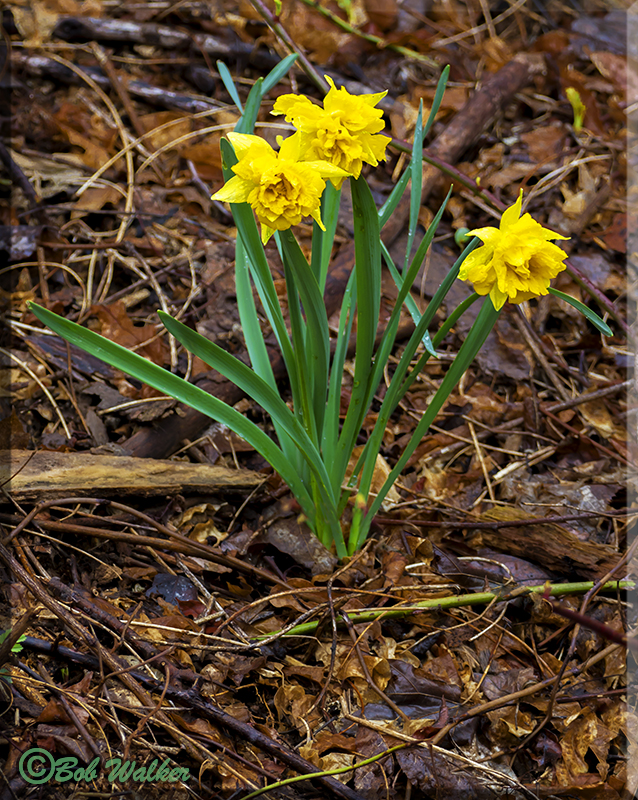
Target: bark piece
x,y
552,546
49,475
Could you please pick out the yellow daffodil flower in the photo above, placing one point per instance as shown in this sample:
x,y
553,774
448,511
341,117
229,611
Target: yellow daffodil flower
x,y
517,260
344,132
280,188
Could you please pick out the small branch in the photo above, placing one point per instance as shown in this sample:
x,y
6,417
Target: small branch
x,y
458,601
280,32
380,43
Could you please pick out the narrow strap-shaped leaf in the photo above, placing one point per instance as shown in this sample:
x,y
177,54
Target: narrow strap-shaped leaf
x,y
424,246
436,102
409,301
146,371
404,284
302,394
248,318
479,332
227,80
416,162
368,270
277,73
416,370
258,263
584,310
333,407
387,209
254,339
454,317
399,384
318,335
322,241
247,123
323,498
254,386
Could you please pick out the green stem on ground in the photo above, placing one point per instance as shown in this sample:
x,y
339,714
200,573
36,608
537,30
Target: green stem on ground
x,y
369,37
326,773
458,601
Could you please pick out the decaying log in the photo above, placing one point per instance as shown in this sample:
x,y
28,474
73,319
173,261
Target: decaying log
x,y
45,67
45,475
74,29
554,546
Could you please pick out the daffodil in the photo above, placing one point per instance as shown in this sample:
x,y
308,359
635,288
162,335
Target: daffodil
x,y
280,188
517,260
344,132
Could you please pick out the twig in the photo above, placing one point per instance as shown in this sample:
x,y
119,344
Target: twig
x,y
499,702
16,632
458,601
280,32
18,176
69,710
380,43
82,633
514,523
366,672
190,545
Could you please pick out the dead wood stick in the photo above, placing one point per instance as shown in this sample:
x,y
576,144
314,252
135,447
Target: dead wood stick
x,y
176,543
74,29
248,733
477,114
190,698
15,633
156,95
83,634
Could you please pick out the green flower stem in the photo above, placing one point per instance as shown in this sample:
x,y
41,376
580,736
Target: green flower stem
x,y
459,601
314,371
498,205
399,386
327,773
445,328
453,318
322,241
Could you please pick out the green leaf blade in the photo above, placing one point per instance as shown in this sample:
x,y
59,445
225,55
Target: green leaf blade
x,y
595,320
164,381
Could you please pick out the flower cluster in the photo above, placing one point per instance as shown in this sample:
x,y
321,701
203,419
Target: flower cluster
x,y
345,131
280,188
517,260
331,143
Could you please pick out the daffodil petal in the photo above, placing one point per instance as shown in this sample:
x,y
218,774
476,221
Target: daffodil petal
x,y
243,142
498,298
511,215
316,215
327,170
236,190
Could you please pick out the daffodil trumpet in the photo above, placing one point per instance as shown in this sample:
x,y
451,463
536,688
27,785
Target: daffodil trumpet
x,y
315,444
